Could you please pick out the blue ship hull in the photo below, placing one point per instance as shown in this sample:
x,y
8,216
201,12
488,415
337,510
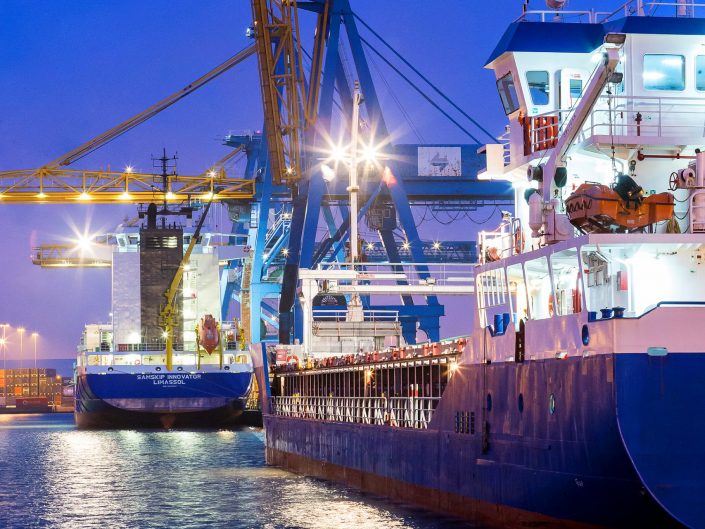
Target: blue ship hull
x,y
620,446
156,400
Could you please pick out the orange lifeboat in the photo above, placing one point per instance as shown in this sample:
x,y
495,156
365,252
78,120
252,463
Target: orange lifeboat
x,y
595,208
208,334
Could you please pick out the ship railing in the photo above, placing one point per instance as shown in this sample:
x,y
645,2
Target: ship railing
x,y
343,315
402,412
648,116
552,15
412,273
688,9
505,241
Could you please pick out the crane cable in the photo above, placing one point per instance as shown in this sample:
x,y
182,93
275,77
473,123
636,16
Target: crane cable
x,y
425,79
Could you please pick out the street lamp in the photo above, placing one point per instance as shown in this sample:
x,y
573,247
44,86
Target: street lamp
x,y
35,335
3,346
21,330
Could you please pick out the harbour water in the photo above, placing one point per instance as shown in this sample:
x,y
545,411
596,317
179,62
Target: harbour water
x,y
54,476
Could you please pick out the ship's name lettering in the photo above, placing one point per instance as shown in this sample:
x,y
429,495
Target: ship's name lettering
x,y
169,380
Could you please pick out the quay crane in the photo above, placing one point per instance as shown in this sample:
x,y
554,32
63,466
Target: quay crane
x,y
292,193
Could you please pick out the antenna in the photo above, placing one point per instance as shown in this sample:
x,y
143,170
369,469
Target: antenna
x,y
168,166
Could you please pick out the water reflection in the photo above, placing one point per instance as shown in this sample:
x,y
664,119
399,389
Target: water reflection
x,y
54,476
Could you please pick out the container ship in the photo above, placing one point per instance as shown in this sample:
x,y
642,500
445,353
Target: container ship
x,y
577,399
126,375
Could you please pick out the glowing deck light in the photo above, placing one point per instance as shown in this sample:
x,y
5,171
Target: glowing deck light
x,y
84,196
289,170
436,245
129,169
170,196
164,334
125,196
208,196
337,153
369,154
370,246
406,245
211,174
83,243
41,195
285,252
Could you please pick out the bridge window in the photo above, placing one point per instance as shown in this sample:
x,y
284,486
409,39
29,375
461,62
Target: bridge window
x,y
508,93
538,87
700,72
664,72
517,291
566,279
538,281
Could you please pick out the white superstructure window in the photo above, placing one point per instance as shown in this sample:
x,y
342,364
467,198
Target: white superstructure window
x,y
538,87
700,72
508,93
664,72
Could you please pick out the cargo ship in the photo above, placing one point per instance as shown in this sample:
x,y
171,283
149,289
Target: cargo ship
x,y
126,376
577,399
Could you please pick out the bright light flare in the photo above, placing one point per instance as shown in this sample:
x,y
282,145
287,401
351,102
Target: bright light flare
x,y
129,169
170,196
84,243
337,153
369,154
406,245
436,245
84,196
125,196
285,252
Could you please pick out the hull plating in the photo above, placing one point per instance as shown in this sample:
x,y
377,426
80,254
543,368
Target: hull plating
x,y
142,401
581,448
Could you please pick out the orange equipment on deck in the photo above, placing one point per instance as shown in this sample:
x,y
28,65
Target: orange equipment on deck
x,y
595,208
208,334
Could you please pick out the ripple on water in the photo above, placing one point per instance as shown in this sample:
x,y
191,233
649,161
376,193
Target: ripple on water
x,y
54,476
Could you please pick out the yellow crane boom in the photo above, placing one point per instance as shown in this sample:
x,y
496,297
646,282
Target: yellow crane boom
x,y
167,313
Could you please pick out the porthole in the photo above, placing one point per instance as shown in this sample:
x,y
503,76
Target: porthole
x,y
551,404
157,368
520,402
179,368
489,402
586,335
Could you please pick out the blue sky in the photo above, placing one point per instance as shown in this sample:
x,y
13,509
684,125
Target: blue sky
x,y
71,70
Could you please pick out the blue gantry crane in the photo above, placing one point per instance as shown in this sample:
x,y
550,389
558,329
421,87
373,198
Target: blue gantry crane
x,y
301,185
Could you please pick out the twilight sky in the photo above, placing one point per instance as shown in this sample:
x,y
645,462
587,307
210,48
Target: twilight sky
x,y
71,70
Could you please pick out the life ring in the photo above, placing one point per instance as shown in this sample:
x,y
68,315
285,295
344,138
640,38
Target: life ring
x,y
518,240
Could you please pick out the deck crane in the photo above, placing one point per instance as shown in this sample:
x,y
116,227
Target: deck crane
x,y
56,183
167,314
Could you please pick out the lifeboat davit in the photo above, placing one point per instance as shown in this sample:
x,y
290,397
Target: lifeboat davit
x,y
596,208
208,335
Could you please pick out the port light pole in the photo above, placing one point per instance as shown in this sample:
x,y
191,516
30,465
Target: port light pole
x,y
35,335
20,331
